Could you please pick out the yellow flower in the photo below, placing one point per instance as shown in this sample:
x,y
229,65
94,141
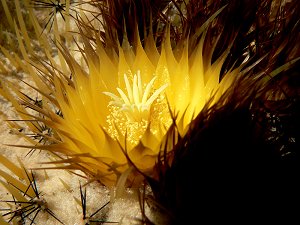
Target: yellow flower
x,y
119,104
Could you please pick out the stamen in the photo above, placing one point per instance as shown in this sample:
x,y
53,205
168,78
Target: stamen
x,y
137,99
131,113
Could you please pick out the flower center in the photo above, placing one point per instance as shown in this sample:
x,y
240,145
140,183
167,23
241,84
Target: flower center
x,y
131,111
